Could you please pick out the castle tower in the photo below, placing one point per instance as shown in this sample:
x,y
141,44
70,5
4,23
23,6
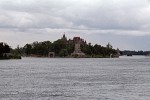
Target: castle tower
x,y
64,37
77,48
77,52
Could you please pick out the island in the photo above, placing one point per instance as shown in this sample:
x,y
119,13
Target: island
x,y
61,48
68,48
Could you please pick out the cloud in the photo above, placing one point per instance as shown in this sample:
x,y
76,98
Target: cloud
x,y
81,17
98,14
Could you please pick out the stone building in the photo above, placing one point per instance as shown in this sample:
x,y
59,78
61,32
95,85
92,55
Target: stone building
x,y
77,39
51,54
77,52
64,38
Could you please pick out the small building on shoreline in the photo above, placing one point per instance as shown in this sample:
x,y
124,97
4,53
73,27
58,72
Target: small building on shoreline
x,y
51,54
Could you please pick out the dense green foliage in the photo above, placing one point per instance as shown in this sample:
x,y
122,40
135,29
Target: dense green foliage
x,y
97,50
8,53
43,48
38,48
4,48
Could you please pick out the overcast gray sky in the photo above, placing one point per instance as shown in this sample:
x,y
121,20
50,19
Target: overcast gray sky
x,y
123,23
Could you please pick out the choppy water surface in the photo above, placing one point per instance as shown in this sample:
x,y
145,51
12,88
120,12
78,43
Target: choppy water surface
x,y
75,79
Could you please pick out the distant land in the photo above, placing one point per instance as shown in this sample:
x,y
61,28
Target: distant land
x,y
128,52
63,47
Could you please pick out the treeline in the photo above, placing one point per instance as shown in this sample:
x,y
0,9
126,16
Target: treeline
x,y
62,49
4,50
43,48
98,50
128,52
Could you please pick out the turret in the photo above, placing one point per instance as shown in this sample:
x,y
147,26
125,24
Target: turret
x,y
64,37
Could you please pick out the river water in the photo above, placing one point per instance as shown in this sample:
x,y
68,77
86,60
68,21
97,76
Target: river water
x,y
124,78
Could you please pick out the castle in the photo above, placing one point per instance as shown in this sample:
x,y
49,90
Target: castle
x,y
74,40
77,41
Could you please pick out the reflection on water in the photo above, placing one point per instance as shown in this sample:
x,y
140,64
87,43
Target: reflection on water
x,y
125,78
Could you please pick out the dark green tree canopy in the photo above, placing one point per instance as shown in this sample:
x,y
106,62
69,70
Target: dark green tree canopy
x,y
4,48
